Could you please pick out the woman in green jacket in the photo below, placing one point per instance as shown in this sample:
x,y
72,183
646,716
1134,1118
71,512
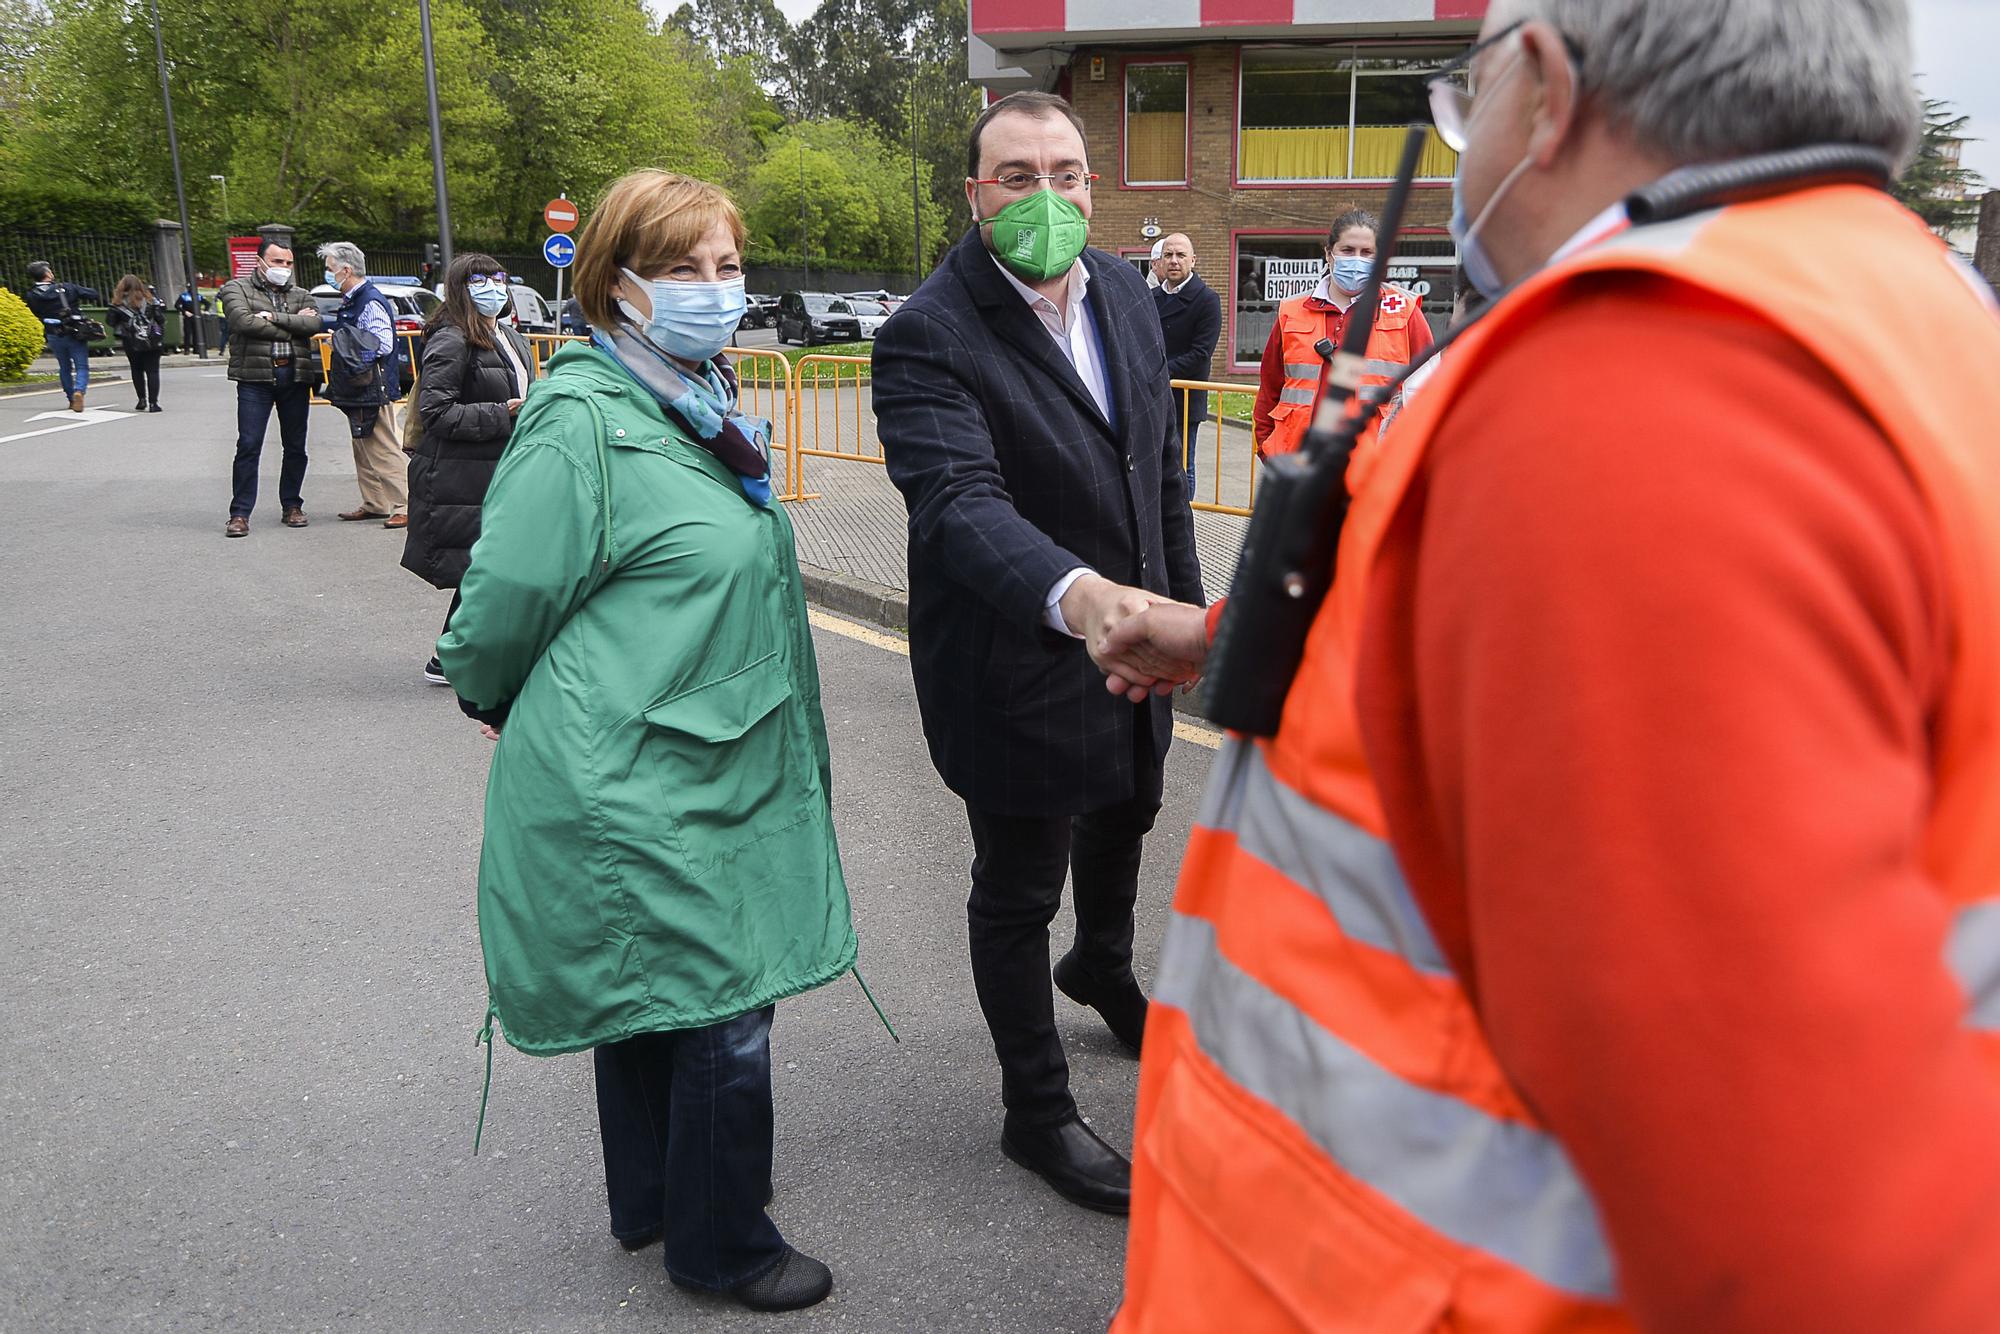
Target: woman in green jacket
x,y
659,864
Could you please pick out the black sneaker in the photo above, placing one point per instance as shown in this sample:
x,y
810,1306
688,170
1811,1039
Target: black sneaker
x,y
434,673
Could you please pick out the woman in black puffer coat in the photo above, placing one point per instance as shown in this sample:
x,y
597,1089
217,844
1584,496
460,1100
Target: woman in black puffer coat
x,y
475,373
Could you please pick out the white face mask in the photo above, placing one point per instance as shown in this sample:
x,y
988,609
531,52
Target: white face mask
x,y
278,276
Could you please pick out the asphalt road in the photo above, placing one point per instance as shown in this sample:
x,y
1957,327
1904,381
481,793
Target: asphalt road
x,y
240,973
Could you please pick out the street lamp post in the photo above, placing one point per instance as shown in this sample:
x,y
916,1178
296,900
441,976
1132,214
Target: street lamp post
x,y
916,196
224,182
805,238
437,132
180,185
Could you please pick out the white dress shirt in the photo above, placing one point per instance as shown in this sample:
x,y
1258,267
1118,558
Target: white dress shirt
x,y
1074,333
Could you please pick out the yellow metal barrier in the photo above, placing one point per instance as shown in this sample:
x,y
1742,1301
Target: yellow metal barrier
x,y
324,343
544,345
832,418
1226,466
766,387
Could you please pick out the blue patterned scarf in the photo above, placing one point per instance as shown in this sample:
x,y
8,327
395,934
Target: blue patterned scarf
x,y
706,404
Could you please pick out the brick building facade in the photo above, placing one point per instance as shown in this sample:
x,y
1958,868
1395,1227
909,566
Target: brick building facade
x,y
1248,136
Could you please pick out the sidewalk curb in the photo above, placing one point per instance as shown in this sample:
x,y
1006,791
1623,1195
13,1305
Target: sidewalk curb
x,y
863,599
889,609
12,390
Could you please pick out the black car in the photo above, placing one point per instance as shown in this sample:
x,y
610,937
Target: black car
x,y
761,313
816,317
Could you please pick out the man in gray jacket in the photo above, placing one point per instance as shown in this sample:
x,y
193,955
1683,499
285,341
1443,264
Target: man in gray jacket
x,y
271,321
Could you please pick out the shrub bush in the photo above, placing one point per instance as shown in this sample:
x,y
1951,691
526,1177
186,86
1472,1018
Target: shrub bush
x,y
58,206
20,336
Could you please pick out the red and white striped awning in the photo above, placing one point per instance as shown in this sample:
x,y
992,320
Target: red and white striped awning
x,y
1018,24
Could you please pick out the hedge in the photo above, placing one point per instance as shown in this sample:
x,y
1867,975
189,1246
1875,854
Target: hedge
x,y
63,207
20,336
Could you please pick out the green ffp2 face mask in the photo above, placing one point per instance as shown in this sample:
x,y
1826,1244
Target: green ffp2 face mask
x,y
1040,236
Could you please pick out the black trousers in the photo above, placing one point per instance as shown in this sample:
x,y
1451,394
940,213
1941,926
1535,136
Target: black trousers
x,y
1018,866
145,374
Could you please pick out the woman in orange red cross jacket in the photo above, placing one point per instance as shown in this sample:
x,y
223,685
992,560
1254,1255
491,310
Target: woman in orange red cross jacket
x,y
1288,388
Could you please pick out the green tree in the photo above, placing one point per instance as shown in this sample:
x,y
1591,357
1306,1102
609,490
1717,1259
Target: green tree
x,y
896,65
1932,185
752,31
604,92
832,192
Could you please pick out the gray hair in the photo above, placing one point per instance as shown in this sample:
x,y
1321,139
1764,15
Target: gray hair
x,y
1708,80
344,252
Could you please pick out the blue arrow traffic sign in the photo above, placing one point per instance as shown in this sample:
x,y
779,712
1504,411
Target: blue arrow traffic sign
x,y
559,251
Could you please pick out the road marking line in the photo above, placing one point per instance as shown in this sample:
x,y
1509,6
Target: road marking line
x,y
1200,736
827,621
854,630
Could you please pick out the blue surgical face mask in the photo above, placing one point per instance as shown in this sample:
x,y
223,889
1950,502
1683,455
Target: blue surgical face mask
x,y
692,321
329,279
1351,272
1480,269
491,298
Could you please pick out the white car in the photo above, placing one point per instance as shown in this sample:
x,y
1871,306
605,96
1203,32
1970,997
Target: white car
x,y
870,314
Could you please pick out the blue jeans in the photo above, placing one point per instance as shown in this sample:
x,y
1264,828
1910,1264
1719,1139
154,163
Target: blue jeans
x,y
686,1121
254,402
72,362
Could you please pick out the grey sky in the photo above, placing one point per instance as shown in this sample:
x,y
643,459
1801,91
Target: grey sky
x,y
1957,41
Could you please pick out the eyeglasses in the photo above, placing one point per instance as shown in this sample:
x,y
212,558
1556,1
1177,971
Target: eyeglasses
x,y
500,278
1016,182
1451,99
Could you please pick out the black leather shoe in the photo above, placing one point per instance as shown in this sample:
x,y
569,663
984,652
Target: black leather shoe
x,y
1122,1004
1068,1155
640,1241
796,1281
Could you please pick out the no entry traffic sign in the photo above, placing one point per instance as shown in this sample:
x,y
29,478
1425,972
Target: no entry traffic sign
x,y
559,250
561,215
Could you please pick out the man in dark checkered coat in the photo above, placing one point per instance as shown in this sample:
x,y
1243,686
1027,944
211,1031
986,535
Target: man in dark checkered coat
x,y
1025,415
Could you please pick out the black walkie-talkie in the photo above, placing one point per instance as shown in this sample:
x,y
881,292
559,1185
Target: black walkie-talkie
x,y
1286,566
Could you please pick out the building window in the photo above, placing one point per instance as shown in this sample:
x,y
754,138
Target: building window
x,y
1271,269
1156,124
1308,115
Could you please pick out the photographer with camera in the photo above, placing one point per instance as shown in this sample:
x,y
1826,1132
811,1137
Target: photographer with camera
x,y
68,330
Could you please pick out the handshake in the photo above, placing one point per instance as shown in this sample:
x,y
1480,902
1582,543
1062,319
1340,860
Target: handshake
x,y
1144,643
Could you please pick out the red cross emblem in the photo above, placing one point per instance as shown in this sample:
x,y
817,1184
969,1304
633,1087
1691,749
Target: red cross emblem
x,y
1393,302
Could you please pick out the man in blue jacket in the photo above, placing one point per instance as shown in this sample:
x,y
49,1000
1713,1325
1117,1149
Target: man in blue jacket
x,y
1022,400
380,466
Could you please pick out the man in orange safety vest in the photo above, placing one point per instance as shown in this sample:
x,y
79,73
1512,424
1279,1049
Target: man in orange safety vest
x,y
1609,938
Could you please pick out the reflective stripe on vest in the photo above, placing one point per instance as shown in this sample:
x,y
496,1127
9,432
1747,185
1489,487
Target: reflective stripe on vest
x,y
1346,868
1974,954
1500,1186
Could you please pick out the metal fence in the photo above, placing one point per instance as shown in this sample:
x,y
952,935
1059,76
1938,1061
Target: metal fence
x,y
833,418
78,257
